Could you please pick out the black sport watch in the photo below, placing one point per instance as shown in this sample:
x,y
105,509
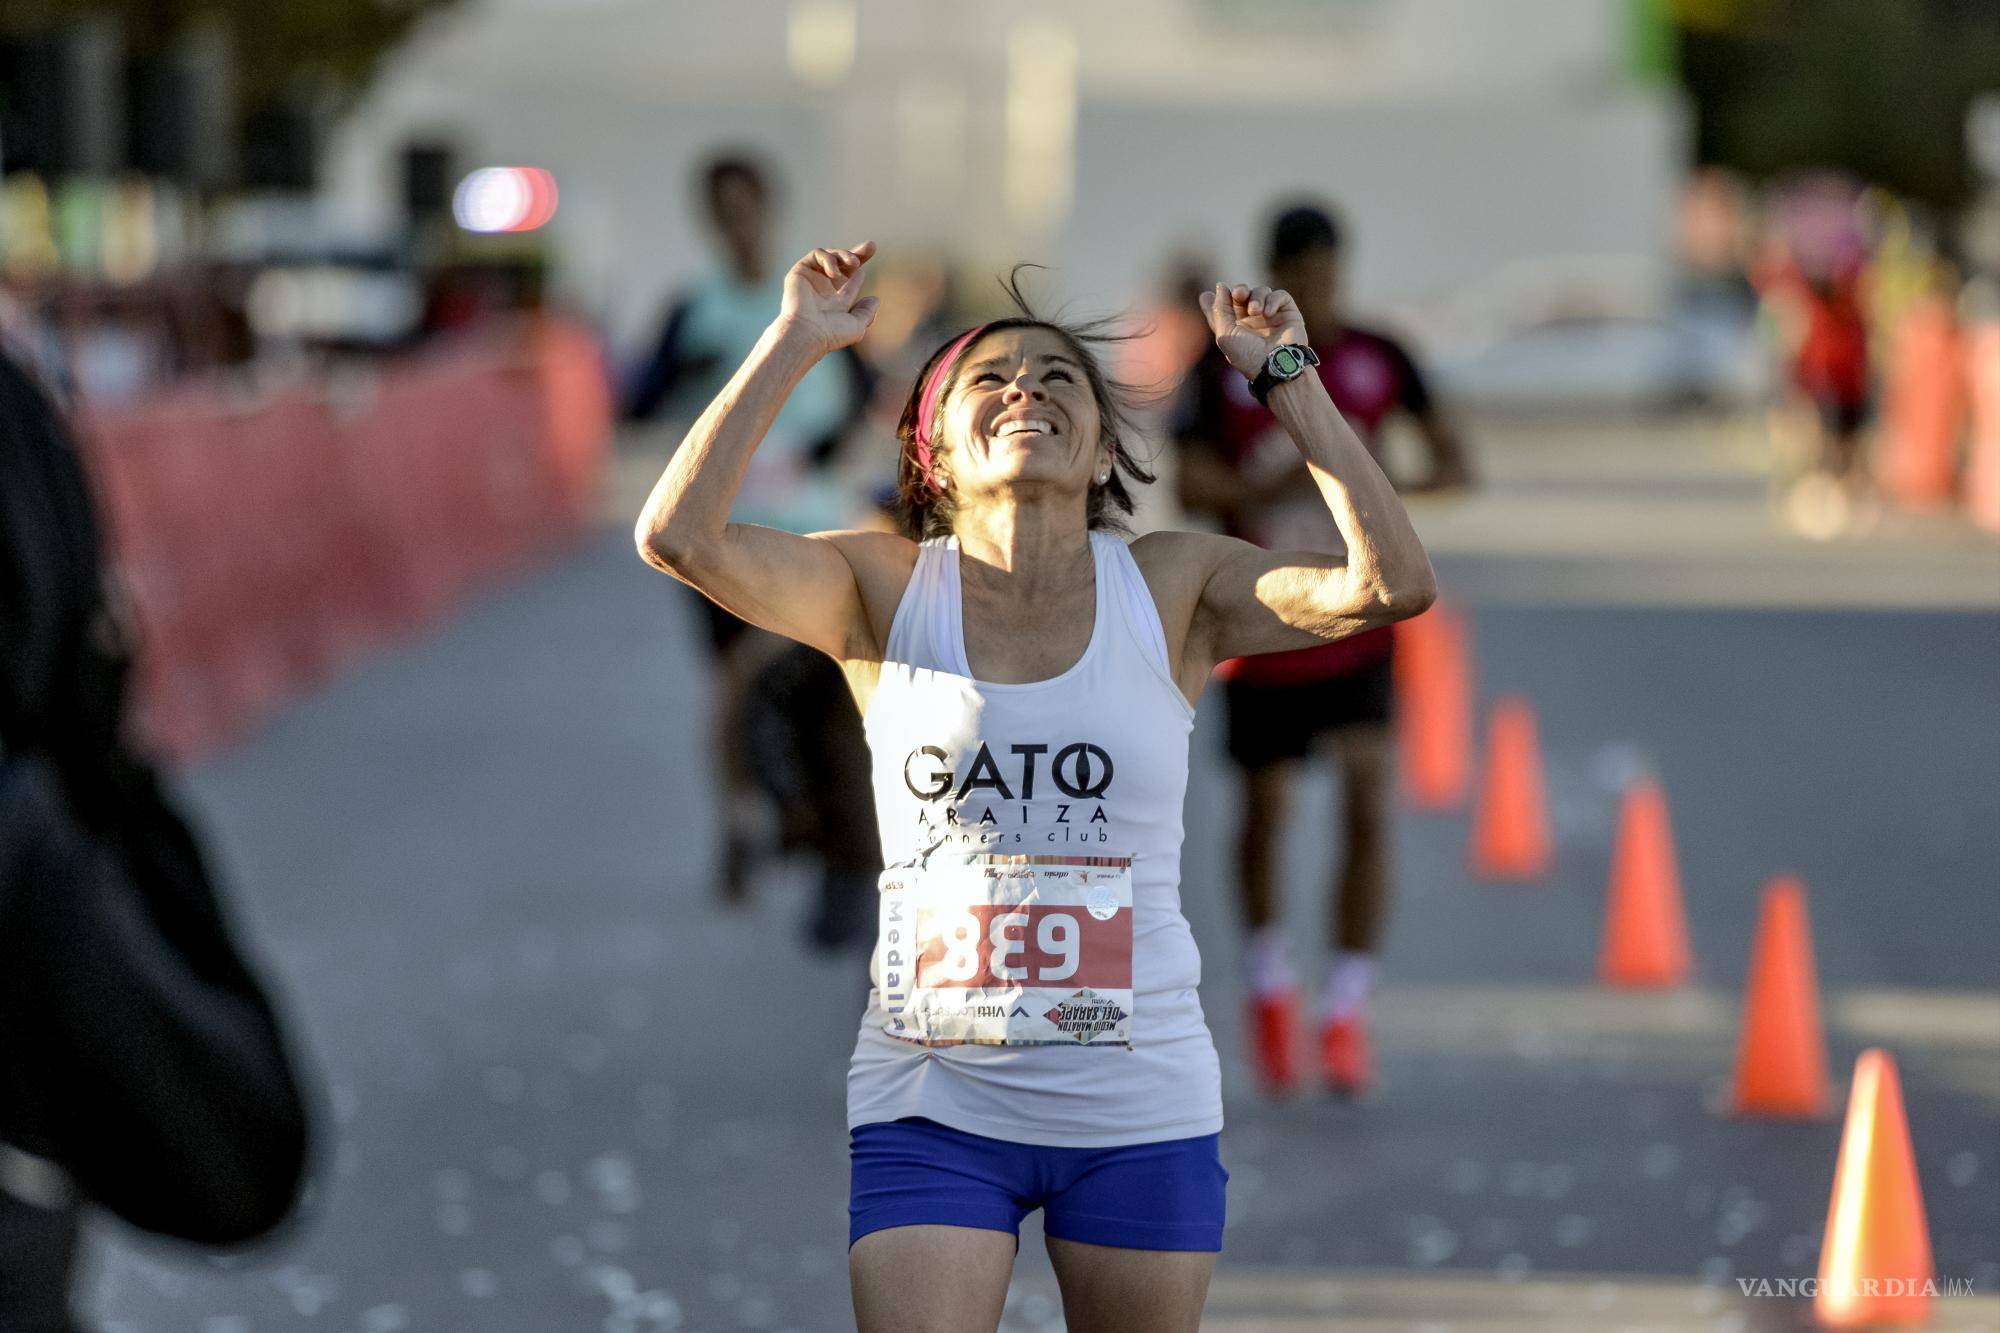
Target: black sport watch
x,y
1286,362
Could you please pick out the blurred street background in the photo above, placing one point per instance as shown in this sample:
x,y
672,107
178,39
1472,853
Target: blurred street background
x,y
360,310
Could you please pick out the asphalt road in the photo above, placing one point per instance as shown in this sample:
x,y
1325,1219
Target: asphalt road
x,y
565,1091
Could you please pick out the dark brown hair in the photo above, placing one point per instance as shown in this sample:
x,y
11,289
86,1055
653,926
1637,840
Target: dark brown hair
x,y
741,166
925,511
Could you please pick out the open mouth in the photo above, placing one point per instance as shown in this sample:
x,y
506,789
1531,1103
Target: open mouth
x,y
1030,426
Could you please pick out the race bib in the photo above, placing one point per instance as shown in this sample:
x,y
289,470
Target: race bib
x,y
1008,951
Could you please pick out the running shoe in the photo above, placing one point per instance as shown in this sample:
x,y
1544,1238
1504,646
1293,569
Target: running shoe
x,y
1274,1028
1346,1059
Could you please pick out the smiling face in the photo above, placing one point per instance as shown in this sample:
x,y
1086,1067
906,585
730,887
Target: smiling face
x,y
1020,413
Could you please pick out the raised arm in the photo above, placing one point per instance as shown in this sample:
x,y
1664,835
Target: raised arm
x,y
804,587
1242,599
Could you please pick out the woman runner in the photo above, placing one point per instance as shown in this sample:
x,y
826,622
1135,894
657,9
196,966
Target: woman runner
x,y
1034,1038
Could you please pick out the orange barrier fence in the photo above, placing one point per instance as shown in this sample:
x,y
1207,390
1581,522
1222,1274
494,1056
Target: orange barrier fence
x,y
266,543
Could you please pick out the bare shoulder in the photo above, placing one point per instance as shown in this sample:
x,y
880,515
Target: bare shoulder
x,y
1179,544
871,548
882,563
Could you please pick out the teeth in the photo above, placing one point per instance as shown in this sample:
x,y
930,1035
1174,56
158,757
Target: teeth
x,y
1024,427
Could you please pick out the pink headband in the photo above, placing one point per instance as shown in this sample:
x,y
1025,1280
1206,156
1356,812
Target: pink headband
x,y
928,402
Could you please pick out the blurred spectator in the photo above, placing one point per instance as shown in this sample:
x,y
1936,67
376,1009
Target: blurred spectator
x,y
1172,335
918,310
1238,465
141,1065
1811,282
1902,268
785,727
714,325
1713,244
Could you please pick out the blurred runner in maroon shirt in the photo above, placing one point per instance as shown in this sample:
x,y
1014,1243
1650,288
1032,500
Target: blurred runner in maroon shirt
x,y
1820,318
1237,466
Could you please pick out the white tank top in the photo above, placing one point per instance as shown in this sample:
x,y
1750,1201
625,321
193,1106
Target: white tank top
x,y
1100,770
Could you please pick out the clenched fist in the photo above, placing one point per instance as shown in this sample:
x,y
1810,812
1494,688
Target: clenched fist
x,y
1249,322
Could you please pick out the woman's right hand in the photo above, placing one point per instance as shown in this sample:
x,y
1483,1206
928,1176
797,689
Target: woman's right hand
x,y
820,305
1249,323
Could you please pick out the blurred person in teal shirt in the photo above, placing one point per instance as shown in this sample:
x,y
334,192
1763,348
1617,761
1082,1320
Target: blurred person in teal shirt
x,y
786,732
711,327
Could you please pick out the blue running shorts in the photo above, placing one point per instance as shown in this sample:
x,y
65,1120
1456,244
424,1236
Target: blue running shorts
x,y
1141,1196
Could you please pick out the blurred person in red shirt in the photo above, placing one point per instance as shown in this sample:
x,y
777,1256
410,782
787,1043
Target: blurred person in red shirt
x,y
142,1067
1237,466
1812,280
1824,327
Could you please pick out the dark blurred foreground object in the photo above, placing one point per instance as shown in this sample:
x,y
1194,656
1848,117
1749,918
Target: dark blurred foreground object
x,y
141,1065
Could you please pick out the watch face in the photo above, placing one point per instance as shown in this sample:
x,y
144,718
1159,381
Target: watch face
x,y
1285,363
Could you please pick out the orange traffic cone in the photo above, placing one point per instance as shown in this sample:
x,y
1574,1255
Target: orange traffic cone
x,y
1434,708
1781,1055
1645,933
1875,1265
1510,830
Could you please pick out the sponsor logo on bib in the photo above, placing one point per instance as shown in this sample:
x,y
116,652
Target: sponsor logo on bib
x,y
1084,1015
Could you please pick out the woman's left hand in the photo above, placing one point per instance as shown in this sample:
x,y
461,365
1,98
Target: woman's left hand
x,y
1251,322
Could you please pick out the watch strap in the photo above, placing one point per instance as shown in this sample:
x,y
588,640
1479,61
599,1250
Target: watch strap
x,y
1264,381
